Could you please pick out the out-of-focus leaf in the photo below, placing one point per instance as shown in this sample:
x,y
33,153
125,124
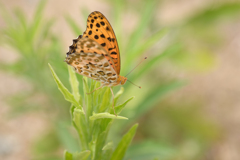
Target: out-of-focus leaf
x,y
148,43
66,138
105,115
77,155
108,146
74,26
21,18
46,144
150,150
40,8
120,151
68,155
67,95
201,60
142,25
32,30
148,102
153,61
211,15
45,33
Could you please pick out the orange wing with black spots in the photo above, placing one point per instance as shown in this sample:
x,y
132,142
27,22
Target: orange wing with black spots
x,y
100,30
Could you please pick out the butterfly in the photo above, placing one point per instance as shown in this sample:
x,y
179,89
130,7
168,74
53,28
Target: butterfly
x,y
95,54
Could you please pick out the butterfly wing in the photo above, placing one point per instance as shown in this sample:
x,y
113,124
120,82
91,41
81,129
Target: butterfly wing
x,y
100,30
89,59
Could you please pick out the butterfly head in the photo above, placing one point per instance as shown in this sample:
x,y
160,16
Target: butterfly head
x,y
121,80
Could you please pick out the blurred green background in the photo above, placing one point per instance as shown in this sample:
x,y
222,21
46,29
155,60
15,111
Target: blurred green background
x,y
188,107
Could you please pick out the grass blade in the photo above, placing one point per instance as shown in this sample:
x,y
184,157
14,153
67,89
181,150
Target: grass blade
x,y
67,95
77,156
105,115
120,151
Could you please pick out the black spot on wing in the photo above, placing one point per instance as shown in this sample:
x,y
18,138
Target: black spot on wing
x,y
114,53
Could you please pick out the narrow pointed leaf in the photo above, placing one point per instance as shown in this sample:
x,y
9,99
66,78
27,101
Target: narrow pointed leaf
x,y
81,127
108,146
68,155
105,115
77,156
120,107
87,97
105,100
67,95
121,149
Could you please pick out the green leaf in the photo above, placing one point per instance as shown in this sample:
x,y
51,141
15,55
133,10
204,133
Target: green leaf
x,y
68,155
119,93
81,127
120,107
108,146
67,95
105,100
87,97
120,151
101,139
74,83
105,115
77,155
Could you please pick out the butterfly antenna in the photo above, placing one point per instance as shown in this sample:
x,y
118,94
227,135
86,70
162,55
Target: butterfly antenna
x,y
136,66
134,84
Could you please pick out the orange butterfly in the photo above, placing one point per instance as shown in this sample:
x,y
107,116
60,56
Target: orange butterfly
x,y
95,54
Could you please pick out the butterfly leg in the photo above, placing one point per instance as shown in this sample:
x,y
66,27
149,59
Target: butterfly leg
x,y
95,90
113,101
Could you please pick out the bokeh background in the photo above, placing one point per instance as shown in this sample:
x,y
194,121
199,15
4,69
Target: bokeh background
x,y
188,107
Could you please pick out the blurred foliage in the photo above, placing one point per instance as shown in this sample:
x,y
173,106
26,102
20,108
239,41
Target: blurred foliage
x,y
166,133
36,45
